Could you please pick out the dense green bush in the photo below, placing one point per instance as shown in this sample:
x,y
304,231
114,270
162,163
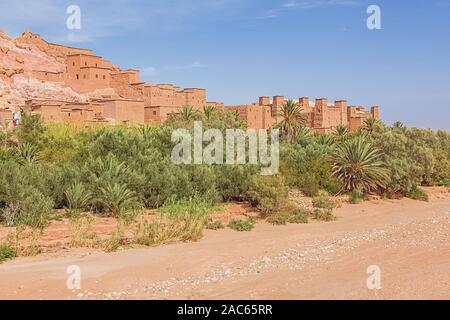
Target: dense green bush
x,y
289,213
35,208
7,253
278,219
356,196
413,157
241,225
417,194
323,201
122,168
267,192
23,196
308,168
78,198
444,183
323,207
215,225
299,215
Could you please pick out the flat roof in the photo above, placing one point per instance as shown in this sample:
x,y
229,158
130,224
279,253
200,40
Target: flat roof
x,y
47,71
117,99
83,54
46,100
154,107
125,71
92,67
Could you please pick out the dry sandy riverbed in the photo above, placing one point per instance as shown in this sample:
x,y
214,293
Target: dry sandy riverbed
x,y
408,240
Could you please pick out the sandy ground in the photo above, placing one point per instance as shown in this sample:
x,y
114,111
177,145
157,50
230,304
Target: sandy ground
x,y
408,240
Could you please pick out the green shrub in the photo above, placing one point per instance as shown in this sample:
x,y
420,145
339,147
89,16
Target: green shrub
x,y
215,225
35,209
418,194
119,199
323,207
31,128
311,186
278,219
7,253
233,181
358,164
322,214
183,221
356,196
241,225
126,168
414,157
444,183
27,154
299,216
78,198
323,201
307,168
267,192
289,214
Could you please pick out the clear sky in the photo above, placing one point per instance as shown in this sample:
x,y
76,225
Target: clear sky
x,y
241,49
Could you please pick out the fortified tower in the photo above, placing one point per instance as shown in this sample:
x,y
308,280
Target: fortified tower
x,y
264,101
278,102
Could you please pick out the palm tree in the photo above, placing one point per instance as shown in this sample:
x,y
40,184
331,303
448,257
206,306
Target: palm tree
x,y
235,115
106,169
341,132
208,111
27,153
147,131
302,135
326,140
358,165
78,198
118,199
370,125
399,126
291,117
187,113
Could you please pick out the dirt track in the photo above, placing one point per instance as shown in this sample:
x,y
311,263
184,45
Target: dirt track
x,y
408,240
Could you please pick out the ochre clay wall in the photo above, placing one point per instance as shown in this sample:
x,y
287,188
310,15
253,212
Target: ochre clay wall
x,y
195,97
49,48
142,102
50,113
319,116
124,110
120,82
254,115
48,76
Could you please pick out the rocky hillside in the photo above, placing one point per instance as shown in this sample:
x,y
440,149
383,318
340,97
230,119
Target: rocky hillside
x,y
17,84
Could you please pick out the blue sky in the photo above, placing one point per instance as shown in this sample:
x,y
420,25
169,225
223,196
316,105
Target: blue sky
x,y
241,49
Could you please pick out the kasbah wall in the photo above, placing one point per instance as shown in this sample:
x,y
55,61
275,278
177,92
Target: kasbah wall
x,y
139,102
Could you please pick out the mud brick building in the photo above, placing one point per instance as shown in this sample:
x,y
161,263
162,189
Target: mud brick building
x,y
118,96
